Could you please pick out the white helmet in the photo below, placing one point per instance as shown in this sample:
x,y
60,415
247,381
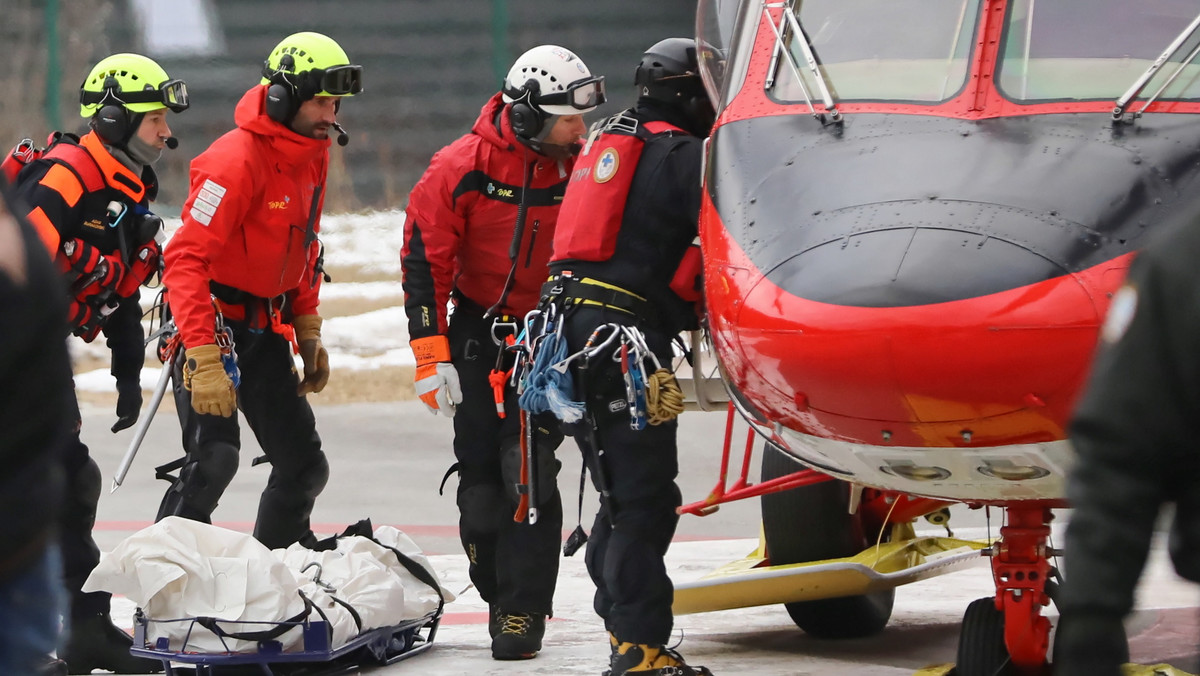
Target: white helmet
x,y
555,81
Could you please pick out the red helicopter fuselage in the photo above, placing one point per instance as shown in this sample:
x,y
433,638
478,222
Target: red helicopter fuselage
x,y
905,279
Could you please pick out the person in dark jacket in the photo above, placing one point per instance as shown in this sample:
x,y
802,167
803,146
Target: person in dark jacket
x,y
35,379
1134,434
88,202
625,274
248,250
478,232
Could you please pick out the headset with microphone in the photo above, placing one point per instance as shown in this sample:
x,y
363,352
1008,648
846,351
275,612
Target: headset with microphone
x,y
527,119
287,90
343,138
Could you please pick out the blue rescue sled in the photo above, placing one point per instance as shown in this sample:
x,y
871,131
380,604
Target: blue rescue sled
x,y
374,647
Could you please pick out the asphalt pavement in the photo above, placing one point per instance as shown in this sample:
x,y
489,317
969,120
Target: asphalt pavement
x,y
388,459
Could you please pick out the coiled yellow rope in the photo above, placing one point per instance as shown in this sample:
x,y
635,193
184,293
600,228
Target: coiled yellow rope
x,y
664,399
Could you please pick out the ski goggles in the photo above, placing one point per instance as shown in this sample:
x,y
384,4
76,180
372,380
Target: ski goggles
x,y
582,94
172,94
338,80
334,81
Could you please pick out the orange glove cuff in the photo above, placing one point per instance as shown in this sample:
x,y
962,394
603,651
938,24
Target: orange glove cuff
x,y
431,349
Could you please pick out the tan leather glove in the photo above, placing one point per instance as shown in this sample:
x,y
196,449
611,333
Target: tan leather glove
x,y
316,359
204,376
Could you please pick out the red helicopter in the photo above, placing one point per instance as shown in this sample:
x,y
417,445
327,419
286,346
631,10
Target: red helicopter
x,y
915,215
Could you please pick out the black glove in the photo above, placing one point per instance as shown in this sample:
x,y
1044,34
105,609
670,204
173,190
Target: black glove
x,y
129,405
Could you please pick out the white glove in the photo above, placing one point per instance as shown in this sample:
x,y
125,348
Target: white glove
x,y
438,387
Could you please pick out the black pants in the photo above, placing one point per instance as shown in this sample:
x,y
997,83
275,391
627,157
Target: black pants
x,y
285,428
635,475
79,551
513,565
1116,501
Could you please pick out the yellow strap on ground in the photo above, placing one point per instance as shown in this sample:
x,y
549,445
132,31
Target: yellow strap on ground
x,y
1154,670
1126,670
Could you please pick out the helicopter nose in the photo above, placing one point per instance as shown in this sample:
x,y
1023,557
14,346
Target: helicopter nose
x,y
882,256
918,325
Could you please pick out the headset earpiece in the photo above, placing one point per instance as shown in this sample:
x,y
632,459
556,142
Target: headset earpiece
x,y
526,120
111,121
282,98
279,103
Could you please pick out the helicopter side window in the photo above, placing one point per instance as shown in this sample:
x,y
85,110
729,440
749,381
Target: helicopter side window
x,y
901,50
1070,50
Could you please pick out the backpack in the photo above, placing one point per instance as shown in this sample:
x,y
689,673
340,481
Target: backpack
x,y
61,146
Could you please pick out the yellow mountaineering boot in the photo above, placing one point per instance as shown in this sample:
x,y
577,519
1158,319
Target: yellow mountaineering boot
x,y
630,659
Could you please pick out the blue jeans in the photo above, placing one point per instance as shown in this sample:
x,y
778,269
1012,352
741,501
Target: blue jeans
x,y
31,604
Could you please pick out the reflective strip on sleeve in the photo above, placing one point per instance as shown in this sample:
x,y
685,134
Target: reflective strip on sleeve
x,y
45,230
63,181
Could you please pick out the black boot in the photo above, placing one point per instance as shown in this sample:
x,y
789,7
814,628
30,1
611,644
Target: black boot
x,y
520,636
96,643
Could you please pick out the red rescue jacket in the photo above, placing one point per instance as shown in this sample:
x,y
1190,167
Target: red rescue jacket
x,y
461,217
245,219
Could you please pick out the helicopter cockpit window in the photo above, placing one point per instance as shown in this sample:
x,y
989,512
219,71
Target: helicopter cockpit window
x,y
1065,50
724,31
901,50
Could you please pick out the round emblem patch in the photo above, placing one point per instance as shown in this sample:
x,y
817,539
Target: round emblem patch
x,y
606,165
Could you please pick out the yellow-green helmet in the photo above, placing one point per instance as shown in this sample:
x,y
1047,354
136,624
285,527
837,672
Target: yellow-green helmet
x,y
312,64
133,81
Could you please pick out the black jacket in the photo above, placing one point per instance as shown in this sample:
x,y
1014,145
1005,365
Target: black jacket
x,y
1136,431
659,221
35,392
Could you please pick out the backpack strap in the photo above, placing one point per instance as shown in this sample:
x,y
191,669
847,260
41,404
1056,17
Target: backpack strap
x,y
67,152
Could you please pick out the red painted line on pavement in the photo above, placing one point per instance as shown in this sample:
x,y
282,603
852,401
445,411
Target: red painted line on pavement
x,y
319,528
323,528
464,618
476,618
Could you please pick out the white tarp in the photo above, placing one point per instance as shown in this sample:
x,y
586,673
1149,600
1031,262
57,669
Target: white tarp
x,y
178,568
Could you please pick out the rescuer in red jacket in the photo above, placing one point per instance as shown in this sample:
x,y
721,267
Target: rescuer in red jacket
x,y
479,227
88,202
248,246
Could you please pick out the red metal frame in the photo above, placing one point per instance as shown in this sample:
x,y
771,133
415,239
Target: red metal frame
x,y
1021,568
878,507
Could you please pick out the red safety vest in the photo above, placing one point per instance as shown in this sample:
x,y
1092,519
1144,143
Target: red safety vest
x,y
592,209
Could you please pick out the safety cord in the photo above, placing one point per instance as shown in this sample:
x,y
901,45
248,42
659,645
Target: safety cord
x,y
514,249
664,398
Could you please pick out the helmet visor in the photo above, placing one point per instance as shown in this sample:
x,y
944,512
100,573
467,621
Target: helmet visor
x,y
581,95
341,81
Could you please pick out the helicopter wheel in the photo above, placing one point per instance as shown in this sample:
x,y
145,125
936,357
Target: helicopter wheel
x,y
981,649
812,523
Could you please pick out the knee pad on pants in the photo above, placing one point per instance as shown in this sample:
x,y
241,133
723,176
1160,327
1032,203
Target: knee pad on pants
x,y
482,508
300,488
547,471
202,480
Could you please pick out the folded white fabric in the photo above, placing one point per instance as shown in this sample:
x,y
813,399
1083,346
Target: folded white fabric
x,y
178,568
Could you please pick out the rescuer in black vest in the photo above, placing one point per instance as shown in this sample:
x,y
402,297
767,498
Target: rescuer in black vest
x,y
1134,432
624,254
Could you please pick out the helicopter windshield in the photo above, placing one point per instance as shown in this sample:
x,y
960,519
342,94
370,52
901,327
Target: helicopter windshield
x,y
901,50
1094,49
